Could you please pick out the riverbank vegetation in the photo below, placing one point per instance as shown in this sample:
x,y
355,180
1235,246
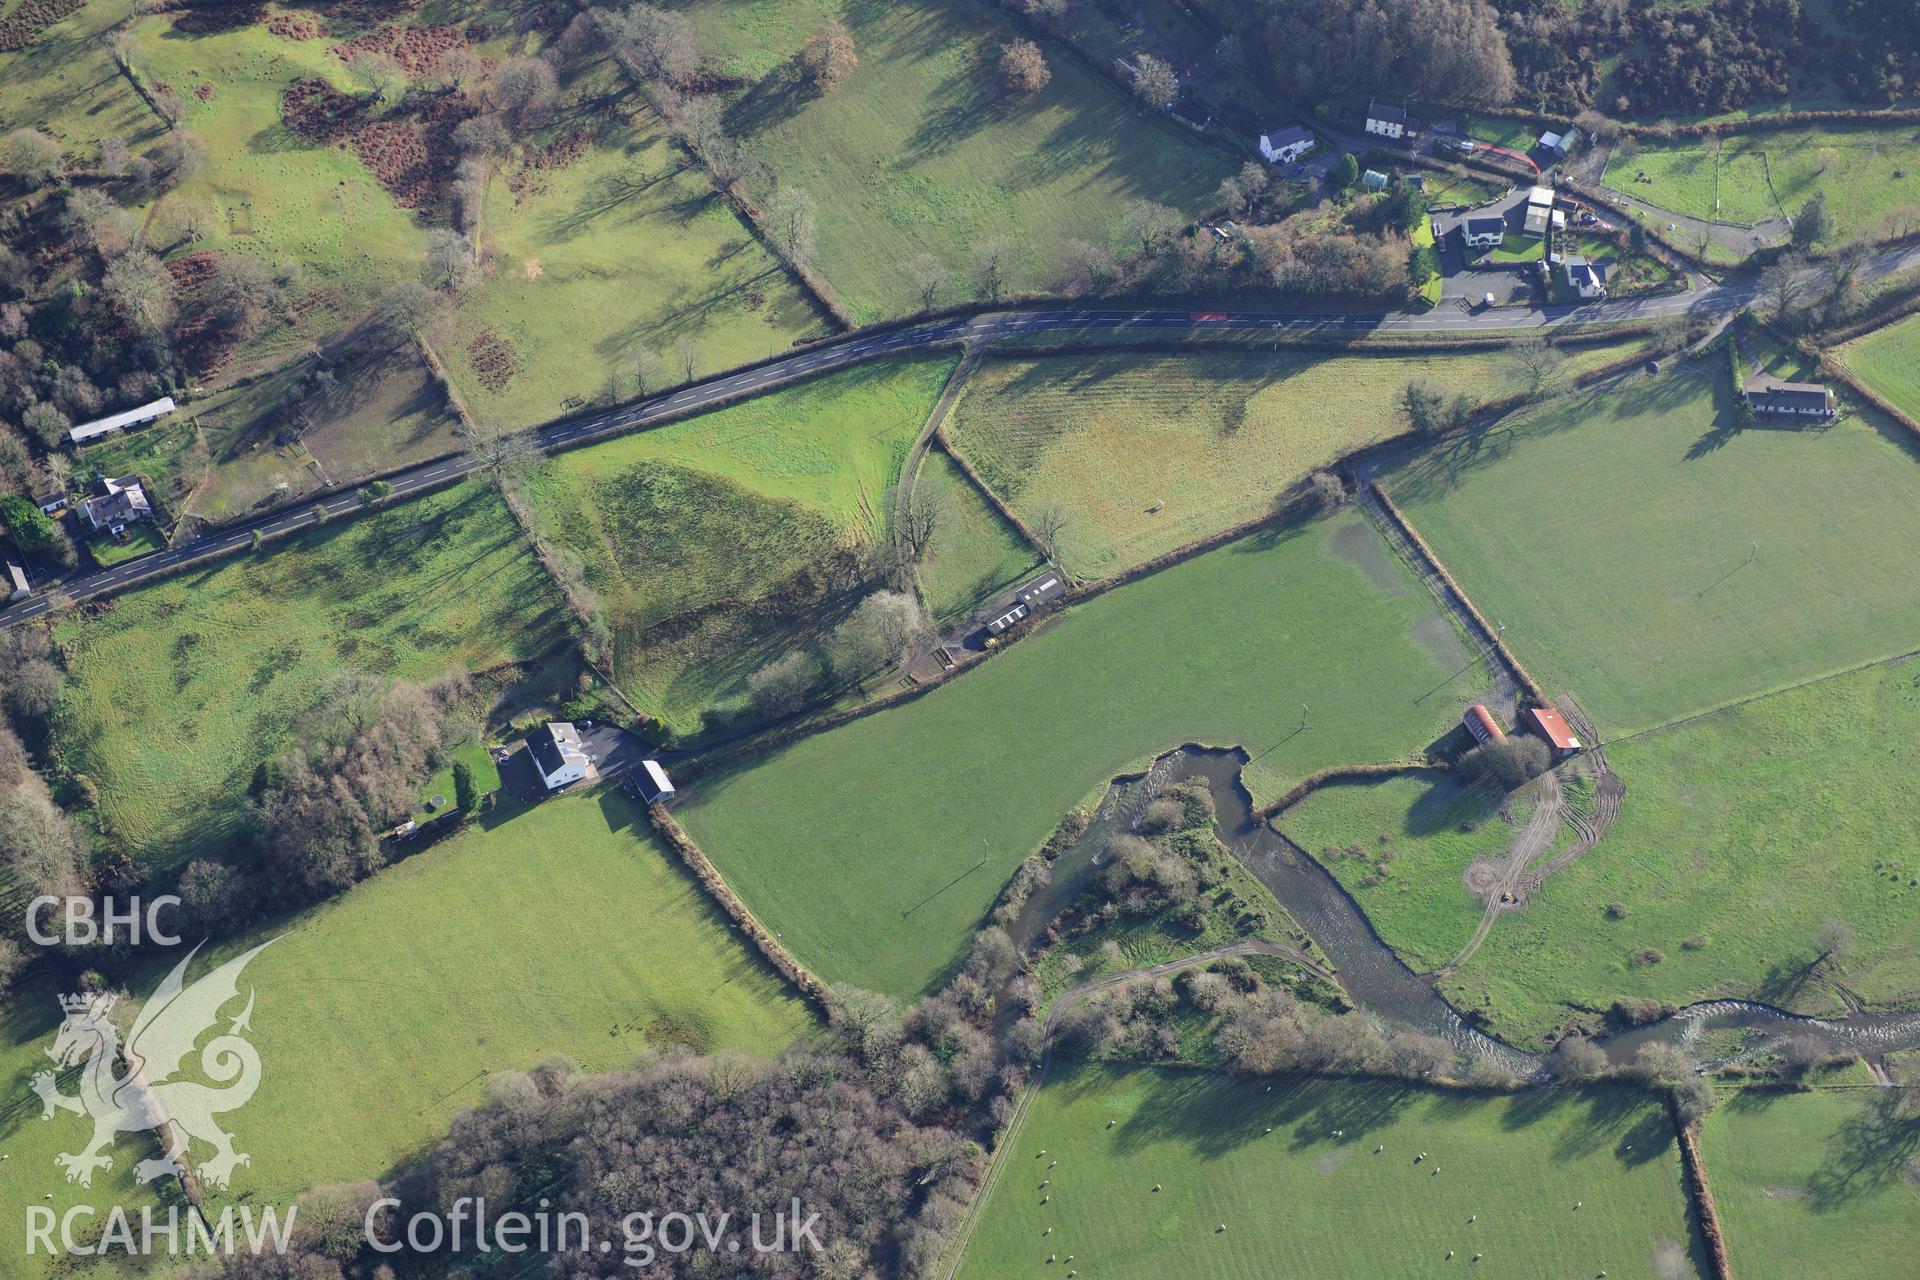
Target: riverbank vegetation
x,y
1406,848
908,821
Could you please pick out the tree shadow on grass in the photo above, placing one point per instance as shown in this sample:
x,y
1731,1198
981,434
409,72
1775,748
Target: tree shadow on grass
x,y
611,192
1873,1149
1213,1115
1447,464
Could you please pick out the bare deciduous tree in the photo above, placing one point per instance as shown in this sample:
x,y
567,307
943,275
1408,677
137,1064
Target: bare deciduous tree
x,y
791,214
1048,523
920,517
926,273
1533,363
994,259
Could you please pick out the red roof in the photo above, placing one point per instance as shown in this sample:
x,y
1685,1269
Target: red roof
x,y
1481,724
1546,722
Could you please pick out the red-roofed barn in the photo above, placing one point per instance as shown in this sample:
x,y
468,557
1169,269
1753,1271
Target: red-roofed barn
x,y
1481,724
1548,723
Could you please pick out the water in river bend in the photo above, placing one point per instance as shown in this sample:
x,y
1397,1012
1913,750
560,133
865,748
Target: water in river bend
x,y
1379,984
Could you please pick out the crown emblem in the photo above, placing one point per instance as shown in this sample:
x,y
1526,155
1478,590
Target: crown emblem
x,y
86,1001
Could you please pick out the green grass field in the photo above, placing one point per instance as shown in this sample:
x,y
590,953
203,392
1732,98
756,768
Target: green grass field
x,y
29,1175
1400,847
274,196
66,83
974,551
707,537
1888,361
1653,560
1500,1182
876,848
923,151
180,689
1823,1183
1863,172
1147,452
1739,836
626,248
565,929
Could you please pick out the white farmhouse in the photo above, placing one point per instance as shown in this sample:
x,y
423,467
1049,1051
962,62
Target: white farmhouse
x,y
558,754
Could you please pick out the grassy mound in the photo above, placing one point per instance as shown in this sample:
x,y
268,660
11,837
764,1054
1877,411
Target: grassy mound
x,y
721,542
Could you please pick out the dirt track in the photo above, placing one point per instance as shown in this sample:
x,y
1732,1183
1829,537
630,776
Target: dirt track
x,y
1516,882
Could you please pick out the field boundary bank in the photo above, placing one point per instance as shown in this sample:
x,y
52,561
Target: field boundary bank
x,y
909,478
1365,345
1778,122
1834,368
1462,600
818,291
723,896
1700,1193
837,359
1334,775
986,491
1751,698
1591,334
1297,511
1883,313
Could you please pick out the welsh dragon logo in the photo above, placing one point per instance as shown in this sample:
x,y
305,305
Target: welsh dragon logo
x,y
136,1087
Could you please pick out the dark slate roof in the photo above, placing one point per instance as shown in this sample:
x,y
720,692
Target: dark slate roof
x,y
1047,586
1768,392
547,750
1393,115
1482,226
1279,138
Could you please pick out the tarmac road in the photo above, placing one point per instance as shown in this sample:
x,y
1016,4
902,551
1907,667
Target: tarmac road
x,y
1705,299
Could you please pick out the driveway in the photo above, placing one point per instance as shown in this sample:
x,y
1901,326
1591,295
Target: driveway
x,y
612,752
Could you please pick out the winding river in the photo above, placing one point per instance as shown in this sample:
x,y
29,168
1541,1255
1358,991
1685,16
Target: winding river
x,y
1383,988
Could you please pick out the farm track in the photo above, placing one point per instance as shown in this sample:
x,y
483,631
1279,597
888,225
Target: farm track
x,y
1543,825
1608,792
